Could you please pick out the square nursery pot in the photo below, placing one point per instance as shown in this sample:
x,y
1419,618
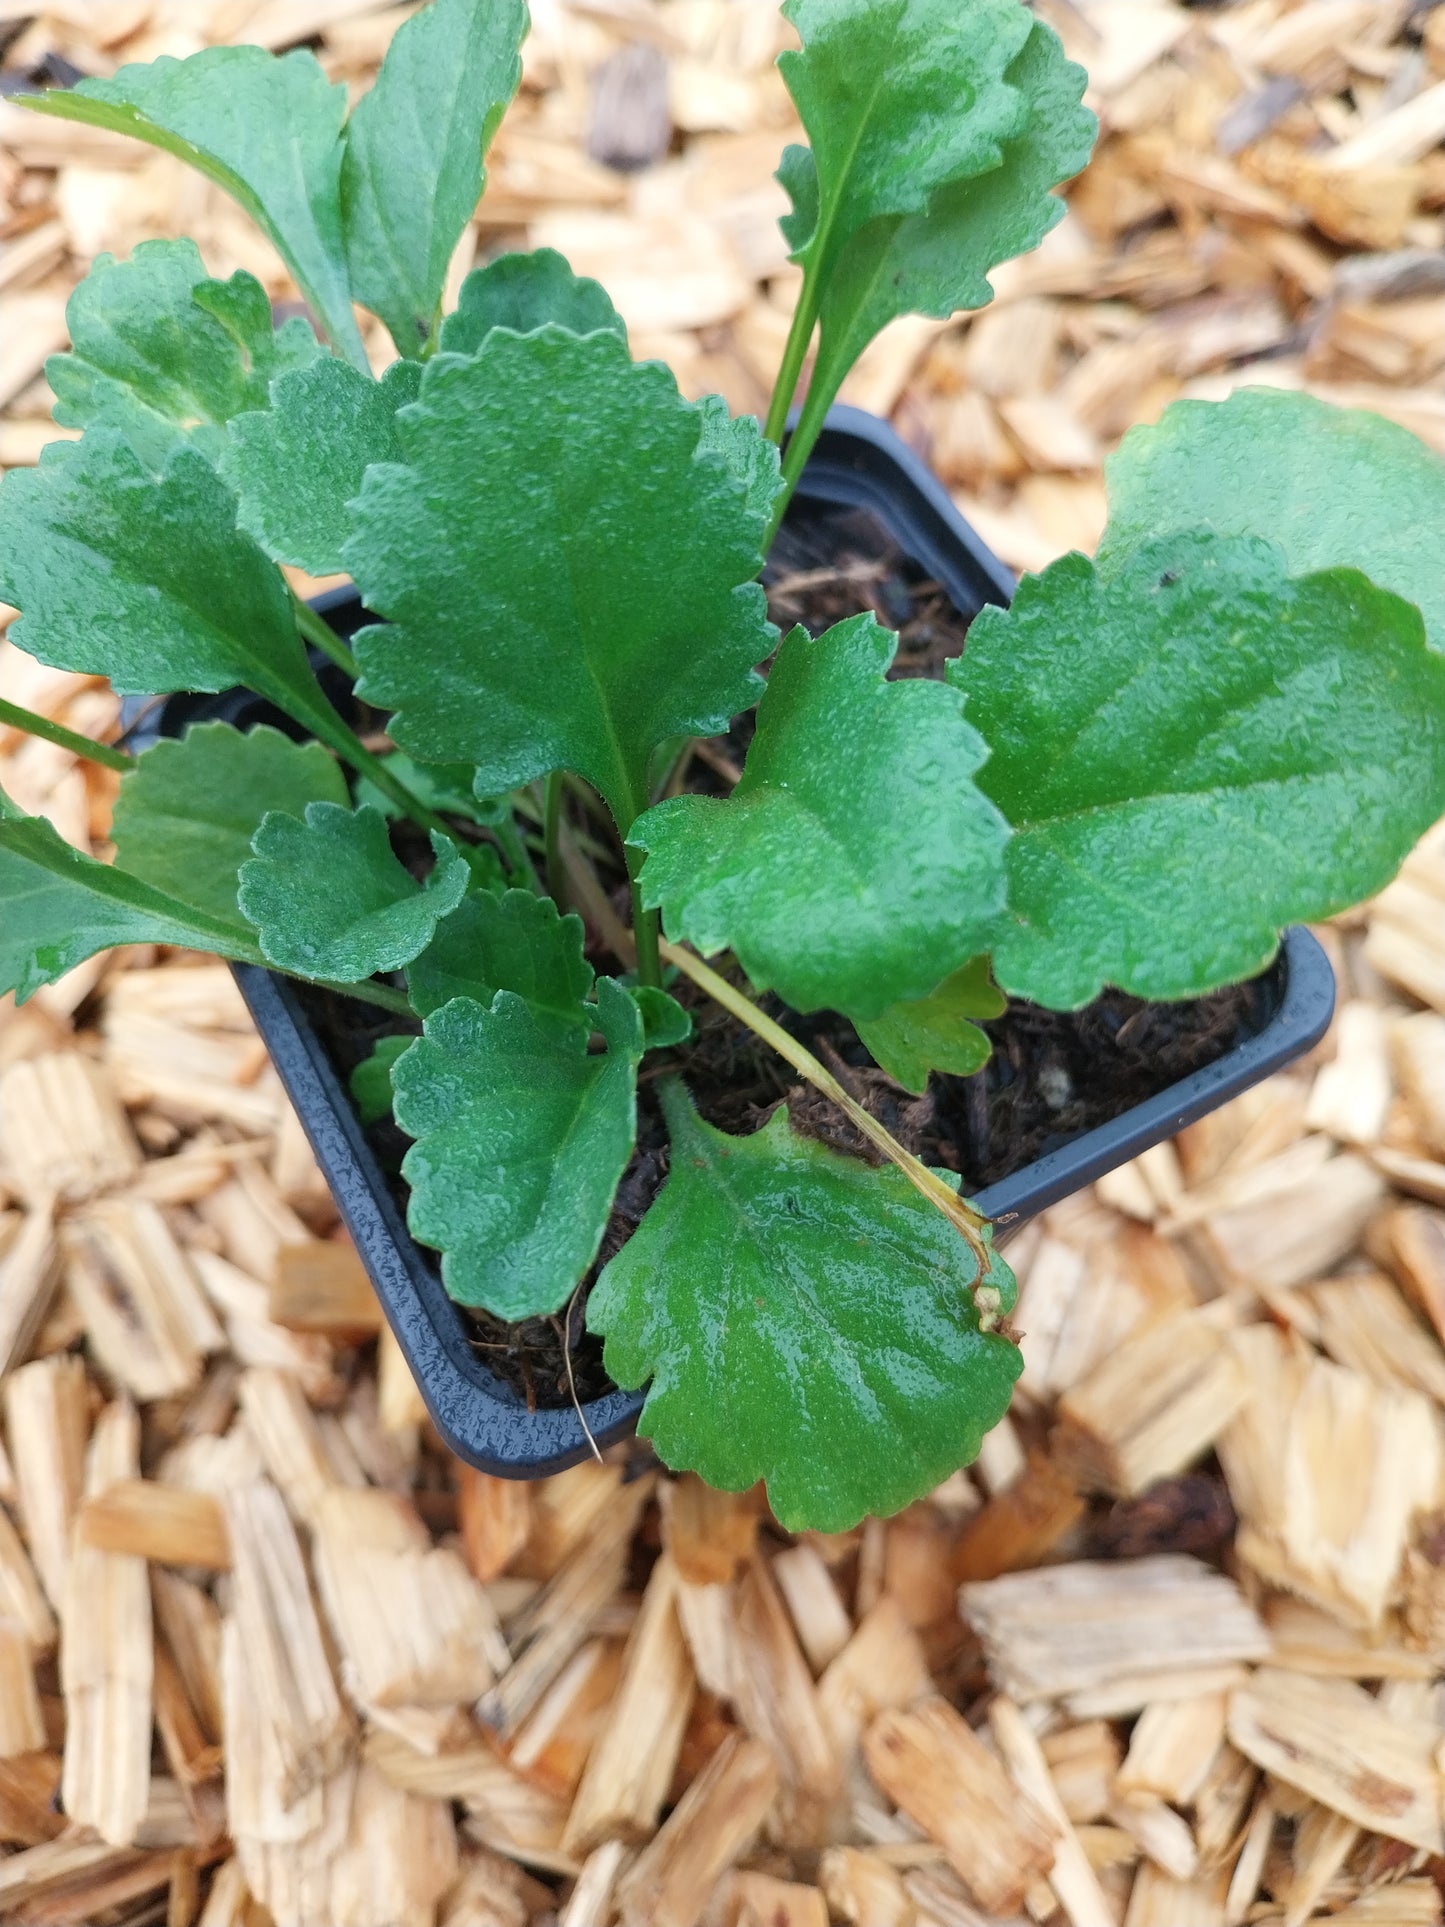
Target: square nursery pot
x,y
859,465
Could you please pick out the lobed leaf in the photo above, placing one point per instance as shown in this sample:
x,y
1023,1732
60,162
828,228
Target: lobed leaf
x,y
899,98
297,464
521,1138
268,131
370,1082
516,942
804,1319
524,292
1194,751
149,356
413,171
741,443
933,1033
937,261
330,900
187,812
857,863
546,611
1334,487
145,579
59,906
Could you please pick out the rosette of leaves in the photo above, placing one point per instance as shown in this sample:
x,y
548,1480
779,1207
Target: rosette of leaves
x,y
1136,776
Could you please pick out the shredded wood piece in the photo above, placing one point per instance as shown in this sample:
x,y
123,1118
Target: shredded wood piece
x,y
709,1829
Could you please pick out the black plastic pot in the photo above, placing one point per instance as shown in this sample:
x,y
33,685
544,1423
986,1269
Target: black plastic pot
x,y
859,464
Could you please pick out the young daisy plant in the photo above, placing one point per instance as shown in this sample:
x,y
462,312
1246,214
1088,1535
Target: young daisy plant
x,y
1231,719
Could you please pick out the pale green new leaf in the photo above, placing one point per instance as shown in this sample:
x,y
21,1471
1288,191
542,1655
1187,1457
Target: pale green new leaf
x,y
938,261
934,1033
146,579
370,1082
525,292
296,464
329,899
148,357
521,1138
804,1319
857,863
548,612
59,906
664,1021
1335,487
515,941
413,171
1194,752
899,98
268,131
188,810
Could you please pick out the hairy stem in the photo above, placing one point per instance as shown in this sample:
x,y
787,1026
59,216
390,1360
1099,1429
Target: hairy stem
x,y
960,1214
316,629
382,995
551,829
822,393
17,718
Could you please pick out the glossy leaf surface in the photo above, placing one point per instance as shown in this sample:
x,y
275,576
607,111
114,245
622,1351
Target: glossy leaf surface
x,y
525,292
521,1138
413,170
1194,752
804,1319
1335,487
296,464
566,574
187,812
329,899
857,863
59,906
513,941
934,1033
150,358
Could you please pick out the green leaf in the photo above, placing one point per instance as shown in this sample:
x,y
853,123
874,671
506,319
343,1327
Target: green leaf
x,y
444,787
933,1033
521,1139
1335,487
804,1319
664,1021
268,131
857,863
149,358
899,98
525,292
516,942
740,441
297,464
413,171
58,907
370,1082
188,810
548,613
146,579
329,899
1194,752
937,262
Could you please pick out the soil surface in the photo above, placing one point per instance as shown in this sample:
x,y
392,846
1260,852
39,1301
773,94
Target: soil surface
x,y
1052,1075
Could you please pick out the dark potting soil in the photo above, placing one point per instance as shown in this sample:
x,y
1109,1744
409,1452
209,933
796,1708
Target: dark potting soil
x,y
1052,1075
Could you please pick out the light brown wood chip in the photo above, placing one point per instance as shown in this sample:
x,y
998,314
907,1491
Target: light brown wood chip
x,y
1334,1742
1067,1628
929,1762
710,1828
106,1659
